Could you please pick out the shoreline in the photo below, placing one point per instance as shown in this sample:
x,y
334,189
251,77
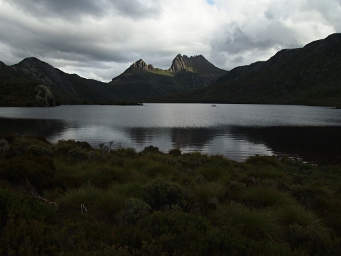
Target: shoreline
x,y
177,102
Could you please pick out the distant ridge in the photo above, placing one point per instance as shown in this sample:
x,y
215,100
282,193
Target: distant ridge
x,y
67,88
310,75
33,82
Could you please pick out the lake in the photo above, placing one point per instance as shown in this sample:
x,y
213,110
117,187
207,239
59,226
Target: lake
x,y
235,131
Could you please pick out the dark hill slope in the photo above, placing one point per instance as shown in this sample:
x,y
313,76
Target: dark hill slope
x,y
16,89
308,75
67,88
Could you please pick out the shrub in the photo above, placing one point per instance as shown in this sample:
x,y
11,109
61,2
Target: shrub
x,y
254,224
264,197
207,195
212,174
294,214
124,152
108,175
39,150
154,169
78,154
267,173
134,210
126,203
193,160
176,233
151,149
160,194
128,190
314,239
264,161
91,202
65,146
37,171
175,152
14,204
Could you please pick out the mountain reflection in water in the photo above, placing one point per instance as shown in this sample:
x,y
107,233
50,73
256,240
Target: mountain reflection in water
x,y
317,144
235,131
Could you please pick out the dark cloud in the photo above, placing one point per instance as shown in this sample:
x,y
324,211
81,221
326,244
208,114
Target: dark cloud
x,y
27,39
238,41
272,35
61,7
137,8
100,38
79,8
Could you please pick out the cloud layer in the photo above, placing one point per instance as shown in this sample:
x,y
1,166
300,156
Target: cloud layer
x,y
99,39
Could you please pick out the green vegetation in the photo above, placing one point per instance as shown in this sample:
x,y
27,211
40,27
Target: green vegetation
x,y
162,72
71,199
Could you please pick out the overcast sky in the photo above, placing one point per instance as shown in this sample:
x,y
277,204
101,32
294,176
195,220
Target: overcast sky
x,y
101,38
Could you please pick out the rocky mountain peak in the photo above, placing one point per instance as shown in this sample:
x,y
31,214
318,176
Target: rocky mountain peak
x,y
140,65
197,64
181,63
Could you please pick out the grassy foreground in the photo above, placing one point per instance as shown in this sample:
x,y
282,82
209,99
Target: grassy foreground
x,y
70,199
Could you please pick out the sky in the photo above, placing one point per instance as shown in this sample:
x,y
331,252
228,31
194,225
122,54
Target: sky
x,y
100,38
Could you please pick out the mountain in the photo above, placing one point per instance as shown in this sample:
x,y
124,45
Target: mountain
x,y
33,82
309,75
196,64
67,88
142,81
139,66
17,89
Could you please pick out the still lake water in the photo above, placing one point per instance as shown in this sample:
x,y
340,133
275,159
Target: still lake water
x,y
236,131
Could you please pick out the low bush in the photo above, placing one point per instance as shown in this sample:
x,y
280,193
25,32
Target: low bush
x,y
259,196
71,199
38,172
91,202
160,194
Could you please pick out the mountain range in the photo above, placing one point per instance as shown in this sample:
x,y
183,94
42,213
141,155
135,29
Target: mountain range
x,y
141,82
309,75
33,82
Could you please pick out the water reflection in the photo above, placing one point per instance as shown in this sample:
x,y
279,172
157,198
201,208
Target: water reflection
x,y
31,127
211,140
178,137
197,137
236,131
314,144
